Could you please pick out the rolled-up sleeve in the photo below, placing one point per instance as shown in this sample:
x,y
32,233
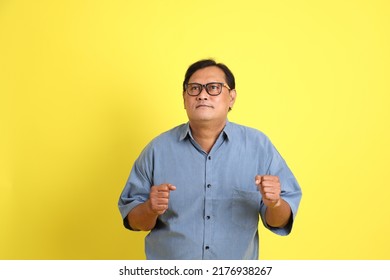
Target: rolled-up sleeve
x,y
290,189
137,188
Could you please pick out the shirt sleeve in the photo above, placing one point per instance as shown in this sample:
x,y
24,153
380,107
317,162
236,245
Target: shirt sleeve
x,y
137,188
291,191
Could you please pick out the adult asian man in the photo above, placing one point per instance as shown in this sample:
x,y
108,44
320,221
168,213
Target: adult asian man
x,y
201,187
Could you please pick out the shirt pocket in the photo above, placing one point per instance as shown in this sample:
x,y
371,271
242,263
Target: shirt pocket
x,y
245,208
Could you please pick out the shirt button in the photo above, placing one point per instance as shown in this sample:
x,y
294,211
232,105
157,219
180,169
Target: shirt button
x,y
209,157
208,185
208,217
207,247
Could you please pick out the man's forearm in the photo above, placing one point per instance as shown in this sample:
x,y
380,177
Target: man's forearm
x,y
279,215
142,217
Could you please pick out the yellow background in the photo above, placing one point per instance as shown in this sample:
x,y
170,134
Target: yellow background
x,y
85,85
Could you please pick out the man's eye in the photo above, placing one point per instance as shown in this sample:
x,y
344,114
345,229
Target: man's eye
x,y
214,87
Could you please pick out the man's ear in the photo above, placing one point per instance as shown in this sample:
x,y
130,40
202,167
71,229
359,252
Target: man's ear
x,y
233,95
184,102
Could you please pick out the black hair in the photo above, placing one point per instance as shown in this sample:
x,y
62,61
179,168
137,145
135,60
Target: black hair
x,y
207,63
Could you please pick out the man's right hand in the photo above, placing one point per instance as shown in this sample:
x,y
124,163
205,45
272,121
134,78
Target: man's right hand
x,y
159,198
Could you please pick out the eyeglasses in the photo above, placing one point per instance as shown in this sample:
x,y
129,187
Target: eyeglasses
x,y
213,89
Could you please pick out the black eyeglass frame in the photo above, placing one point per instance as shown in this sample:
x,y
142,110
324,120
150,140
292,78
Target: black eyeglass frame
x,y
205,87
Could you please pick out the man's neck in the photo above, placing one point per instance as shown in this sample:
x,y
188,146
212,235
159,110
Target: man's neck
x,y
206,133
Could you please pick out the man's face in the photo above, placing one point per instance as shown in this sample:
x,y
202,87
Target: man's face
x,y
205,107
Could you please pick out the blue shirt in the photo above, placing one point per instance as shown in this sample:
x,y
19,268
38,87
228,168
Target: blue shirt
x,y
214,212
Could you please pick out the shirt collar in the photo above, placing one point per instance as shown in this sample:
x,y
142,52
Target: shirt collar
x,y
186,131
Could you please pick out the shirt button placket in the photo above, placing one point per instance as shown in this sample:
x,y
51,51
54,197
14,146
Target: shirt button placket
x,y
208,208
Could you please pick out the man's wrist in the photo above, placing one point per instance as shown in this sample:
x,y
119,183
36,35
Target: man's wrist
x,y
277,204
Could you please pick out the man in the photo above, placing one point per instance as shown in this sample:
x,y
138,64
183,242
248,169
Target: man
x,y
200,187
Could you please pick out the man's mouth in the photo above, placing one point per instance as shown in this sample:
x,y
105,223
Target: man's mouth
x,y
203,105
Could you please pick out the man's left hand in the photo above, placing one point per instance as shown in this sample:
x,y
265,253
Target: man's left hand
x,y
270,189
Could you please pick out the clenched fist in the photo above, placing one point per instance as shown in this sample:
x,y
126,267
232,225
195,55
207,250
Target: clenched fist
x,y
269,187
159,198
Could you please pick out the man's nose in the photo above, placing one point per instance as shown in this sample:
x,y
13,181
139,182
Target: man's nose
x,y
203,94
